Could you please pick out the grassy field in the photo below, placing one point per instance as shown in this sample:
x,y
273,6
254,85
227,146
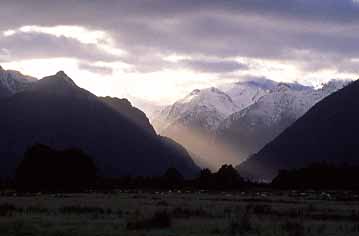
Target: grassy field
x,y
174,213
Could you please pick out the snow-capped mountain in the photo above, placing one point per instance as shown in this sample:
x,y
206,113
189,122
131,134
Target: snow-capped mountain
x,y
326,133
245,93
192,121
12,82
201,109
248,130
208,107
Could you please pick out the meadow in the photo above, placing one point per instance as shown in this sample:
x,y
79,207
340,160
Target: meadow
x,y
180,213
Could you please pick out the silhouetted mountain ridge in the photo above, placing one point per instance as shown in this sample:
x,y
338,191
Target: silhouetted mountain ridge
x,y
57,113
124,107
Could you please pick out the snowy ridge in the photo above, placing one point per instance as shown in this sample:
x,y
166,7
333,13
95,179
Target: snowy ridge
x,y
206,107
13,81
209,107
284,100
246,93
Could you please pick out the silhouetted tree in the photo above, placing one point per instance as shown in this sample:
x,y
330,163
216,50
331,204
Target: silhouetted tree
x,y
45,169
227,177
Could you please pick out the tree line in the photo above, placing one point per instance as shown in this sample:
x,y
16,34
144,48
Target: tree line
x,y
319,175
44,169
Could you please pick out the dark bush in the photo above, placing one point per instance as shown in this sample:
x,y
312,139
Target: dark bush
x,y
226,178
45,169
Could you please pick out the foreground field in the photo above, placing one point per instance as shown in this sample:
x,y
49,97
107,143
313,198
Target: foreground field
x,y
174,213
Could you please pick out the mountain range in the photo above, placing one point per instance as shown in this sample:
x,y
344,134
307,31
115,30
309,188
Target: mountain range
x,y
264,125
54,111
326,133
248,130
230,124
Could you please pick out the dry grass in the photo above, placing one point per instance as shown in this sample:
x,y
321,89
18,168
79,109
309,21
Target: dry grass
x,y
171,213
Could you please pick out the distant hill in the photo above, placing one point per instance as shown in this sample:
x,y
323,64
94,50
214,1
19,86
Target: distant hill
x,y
56,112
327,132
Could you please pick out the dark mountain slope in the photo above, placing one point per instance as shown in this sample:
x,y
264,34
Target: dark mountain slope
x,y
134,114
57,113
327,132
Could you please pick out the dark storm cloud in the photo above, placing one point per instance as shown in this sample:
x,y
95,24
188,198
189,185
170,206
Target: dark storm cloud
x,y
69,11
29,45
299,31
213,66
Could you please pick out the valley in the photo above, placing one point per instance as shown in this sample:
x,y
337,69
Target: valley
x,y
179,118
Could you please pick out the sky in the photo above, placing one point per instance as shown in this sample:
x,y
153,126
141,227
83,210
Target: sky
x,y
160,50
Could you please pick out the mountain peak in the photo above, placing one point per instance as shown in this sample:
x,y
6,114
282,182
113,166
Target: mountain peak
x,y
60,84
257,82
61,73
63,76
335,84
282,87
1,68
206,91
215,90
195,92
